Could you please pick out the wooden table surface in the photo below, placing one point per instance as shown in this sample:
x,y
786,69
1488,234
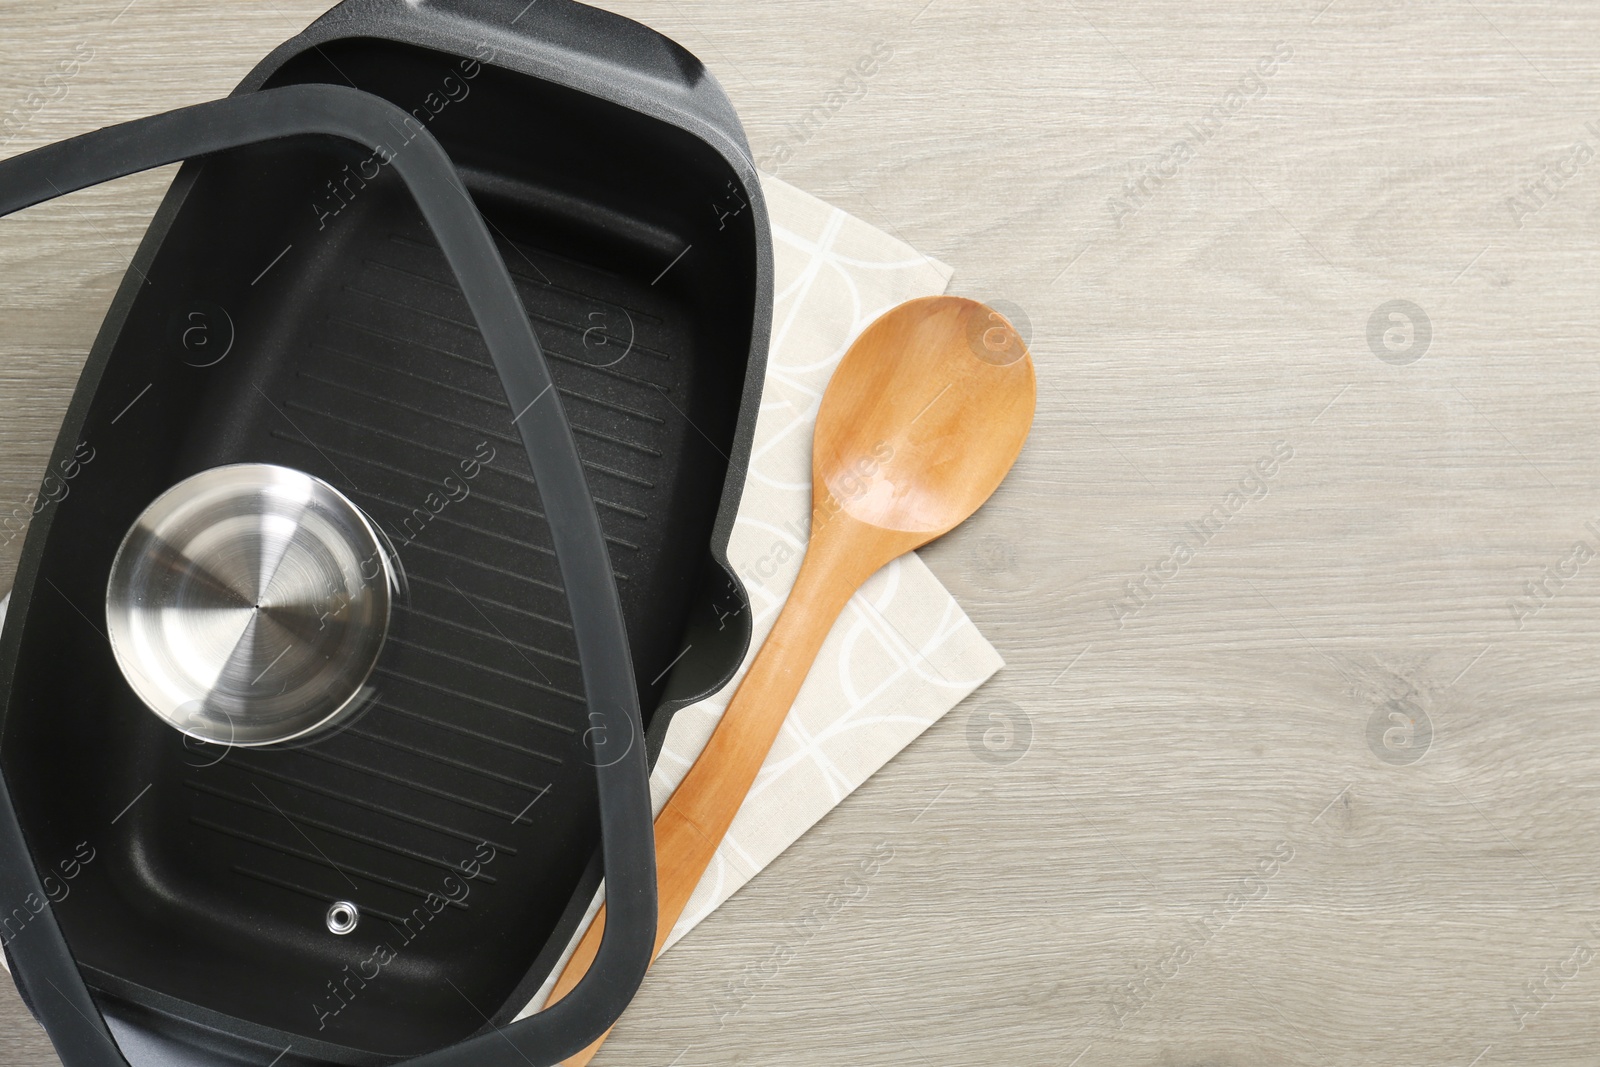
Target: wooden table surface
x,y
1294,759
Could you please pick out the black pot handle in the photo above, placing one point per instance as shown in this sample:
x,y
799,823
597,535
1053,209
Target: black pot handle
x,y
43,962
570,43
589,39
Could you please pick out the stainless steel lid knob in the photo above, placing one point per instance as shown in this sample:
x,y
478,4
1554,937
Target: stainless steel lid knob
x,y
248,604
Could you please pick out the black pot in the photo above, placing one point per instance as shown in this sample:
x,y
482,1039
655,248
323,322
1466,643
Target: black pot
x,y
304,300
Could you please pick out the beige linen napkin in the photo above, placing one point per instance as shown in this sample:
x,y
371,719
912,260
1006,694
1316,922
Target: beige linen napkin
x,y
903,653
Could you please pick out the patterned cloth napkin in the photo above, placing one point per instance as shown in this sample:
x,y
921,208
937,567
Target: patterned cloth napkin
x,y
903,653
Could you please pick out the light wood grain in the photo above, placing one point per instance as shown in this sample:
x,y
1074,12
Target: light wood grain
x,y
1197,856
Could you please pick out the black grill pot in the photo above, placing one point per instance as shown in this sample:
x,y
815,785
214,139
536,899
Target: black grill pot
x,y
317,292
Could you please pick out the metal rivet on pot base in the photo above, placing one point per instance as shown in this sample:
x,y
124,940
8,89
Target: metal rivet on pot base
x,y
249,603
343,918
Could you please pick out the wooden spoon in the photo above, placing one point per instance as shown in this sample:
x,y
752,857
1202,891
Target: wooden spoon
x,y
923,418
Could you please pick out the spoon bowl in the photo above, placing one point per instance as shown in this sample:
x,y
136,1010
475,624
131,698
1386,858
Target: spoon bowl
x,y
926,413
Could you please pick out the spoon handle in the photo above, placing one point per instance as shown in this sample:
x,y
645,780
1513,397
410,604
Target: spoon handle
x,y
694,821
